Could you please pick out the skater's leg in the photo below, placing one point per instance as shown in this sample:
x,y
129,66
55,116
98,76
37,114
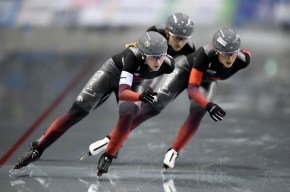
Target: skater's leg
x,y
196,113
147,111
120,133
186,132
95,92
60,126
144,113
118,136
189,128
56,129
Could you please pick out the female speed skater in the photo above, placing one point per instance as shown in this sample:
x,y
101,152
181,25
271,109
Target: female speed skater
x,y
199,73
122,74
211,63
178,30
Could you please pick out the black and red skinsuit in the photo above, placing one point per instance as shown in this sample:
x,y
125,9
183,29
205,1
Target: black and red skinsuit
x,y
198,72
104,82
149,108
168,86
206,70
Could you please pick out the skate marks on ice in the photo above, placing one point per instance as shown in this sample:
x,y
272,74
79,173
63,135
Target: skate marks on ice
x,y
52,171
194,177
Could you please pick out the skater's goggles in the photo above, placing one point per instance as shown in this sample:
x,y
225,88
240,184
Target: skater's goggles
x,y
178,37
228,54
156,57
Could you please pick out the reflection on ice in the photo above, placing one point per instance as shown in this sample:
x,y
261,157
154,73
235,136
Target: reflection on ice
x,y
200,177
169,186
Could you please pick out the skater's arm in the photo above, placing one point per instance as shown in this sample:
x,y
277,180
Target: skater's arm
x,y
215,111
193,85
196,95
125,92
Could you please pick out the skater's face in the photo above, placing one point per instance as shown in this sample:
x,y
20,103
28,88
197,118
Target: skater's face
x,y
177,42
154,61
227,59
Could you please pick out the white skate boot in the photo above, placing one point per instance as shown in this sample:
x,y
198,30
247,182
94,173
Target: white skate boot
x,y
97,147
169,159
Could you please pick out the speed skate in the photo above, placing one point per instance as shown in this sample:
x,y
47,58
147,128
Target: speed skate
x,y
96,148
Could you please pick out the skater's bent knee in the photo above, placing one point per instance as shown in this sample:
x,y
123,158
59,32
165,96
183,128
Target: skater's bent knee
x,y
149,110
77,111
128,107
197,111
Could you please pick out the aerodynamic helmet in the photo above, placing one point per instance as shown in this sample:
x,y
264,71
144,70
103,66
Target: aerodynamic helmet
x,y
152,43
180,24
226,40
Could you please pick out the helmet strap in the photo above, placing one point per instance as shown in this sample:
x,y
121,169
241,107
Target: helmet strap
x,y
216,51
143,56
167,34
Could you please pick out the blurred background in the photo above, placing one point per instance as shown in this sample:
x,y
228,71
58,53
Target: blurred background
x,y
49,49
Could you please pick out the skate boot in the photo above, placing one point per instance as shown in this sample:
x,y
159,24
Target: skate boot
x,y
169,159
97,147
104,163
29,157
34,144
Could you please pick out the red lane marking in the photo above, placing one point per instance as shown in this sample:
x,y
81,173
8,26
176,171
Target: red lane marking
x,y
55,103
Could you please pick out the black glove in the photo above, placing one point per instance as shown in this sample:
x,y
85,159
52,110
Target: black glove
x,y
147,96
215,111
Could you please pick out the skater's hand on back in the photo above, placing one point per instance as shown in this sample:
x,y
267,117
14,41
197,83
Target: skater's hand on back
x,y
215,111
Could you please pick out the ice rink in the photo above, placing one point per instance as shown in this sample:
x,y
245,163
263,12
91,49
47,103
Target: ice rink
x,y
248,152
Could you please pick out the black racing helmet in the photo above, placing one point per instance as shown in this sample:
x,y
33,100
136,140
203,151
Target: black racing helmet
x,y
152,43
180,24
226,40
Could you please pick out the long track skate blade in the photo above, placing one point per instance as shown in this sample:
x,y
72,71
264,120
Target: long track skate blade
x,y
85,156
17,166
17,171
